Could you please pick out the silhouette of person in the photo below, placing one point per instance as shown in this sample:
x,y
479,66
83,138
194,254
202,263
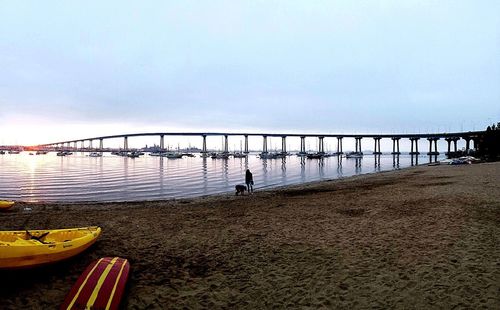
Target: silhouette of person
x,y
249,181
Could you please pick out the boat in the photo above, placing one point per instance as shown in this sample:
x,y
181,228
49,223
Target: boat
x,y
219,156
14,152
105,278
31,153
2,152
315,155
239,155
157,154
133,154
95,154
41,152
63,153
21,249
4,204
172,155
354,155
272,155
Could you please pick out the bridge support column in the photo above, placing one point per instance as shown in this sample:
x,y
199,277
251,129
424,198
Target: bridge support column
x,y
83,145
431,140
455,139
246,144
204,147
395,145
302,145
162,143
321,145
101,145
476,143
226,147
358,144
467,144
339,145
449,146
377,146
125,144
283,145
74,146
90,144
414,140
264,144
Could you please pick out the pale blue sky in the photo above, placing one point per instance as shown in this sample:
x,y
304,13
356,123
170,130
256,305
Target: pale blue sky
x,y
71,69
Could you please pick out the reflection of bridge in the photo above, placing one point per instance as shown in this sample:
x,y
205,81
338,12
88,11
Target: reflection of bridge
x,y
432,138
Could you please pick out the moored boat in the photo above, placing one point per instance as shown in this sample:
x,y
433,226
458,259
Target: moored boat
x,y
219,155
95,154
354,155
272,155
315,155
133,154
20,249
239,155
64,153
173,155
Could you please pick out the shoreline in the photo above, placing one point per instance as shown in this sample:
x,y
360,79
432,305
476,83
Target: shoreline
x,y
76,194
223,194
418,237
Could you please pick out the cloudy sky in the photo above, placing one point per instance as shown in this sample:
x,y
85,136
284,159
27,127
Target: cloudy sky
x,y
75,69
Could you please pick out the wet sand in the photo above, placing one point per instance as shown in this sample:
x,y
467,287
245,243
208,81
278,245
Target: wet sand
x,y
418,238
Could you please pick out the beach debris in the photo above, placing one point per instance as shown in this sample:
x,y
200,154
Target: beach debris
x,y
464,160
27,209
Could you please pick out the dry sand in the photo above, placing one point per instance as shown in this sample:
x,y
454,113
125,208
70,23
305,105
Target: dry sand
x,y
422,238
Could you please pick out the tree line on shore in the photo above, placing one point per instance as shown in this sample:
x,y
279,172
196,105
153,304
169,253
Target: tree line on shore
x,y
489,143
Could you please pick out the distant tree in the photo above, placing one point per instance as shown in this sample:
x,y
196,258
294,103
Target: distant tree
x,y
489,143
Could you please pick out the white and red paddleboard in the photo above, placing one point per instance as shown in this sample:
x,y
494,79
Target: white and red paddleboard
x,y
100,286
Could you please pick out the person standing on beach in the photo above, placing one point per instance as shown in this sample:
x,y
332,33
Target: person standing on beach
x,y
249,181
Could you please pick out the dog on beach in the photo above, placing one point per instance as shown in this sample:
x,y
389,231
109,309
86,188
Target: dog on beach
x,y
240,189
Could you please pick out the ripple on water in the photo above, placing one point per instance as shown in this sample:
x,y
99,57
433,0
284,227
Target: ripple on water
x,y
111,178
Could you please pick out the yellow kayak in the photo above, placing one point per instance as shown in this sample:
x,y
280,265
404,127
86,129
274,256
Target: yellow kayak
x,y
38,247
4,205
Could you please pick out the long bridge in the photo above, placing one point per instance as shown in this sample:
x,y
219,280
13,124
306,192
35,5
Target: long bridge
x,y
432,138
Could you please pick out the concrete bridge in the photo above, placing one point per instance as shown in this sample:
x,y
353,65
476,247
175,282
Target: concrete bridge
x,y
432,138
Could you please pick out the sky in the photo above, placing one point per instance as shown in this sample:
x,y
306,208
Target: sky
x,y
77,69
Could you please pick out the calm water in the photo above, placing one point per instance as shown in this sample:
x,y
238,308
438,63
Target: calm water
x,y
112,178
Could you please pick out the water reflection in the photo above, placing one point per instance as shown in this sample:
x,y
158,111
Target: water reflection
x,y
339,166
283,164
321,168
302,168
377,162
79,177
395,161
433,158
358,165
414,160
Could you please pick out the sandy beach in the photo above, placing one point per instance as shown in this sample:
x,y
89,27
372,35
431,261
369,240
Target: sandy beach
x,y
418,238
